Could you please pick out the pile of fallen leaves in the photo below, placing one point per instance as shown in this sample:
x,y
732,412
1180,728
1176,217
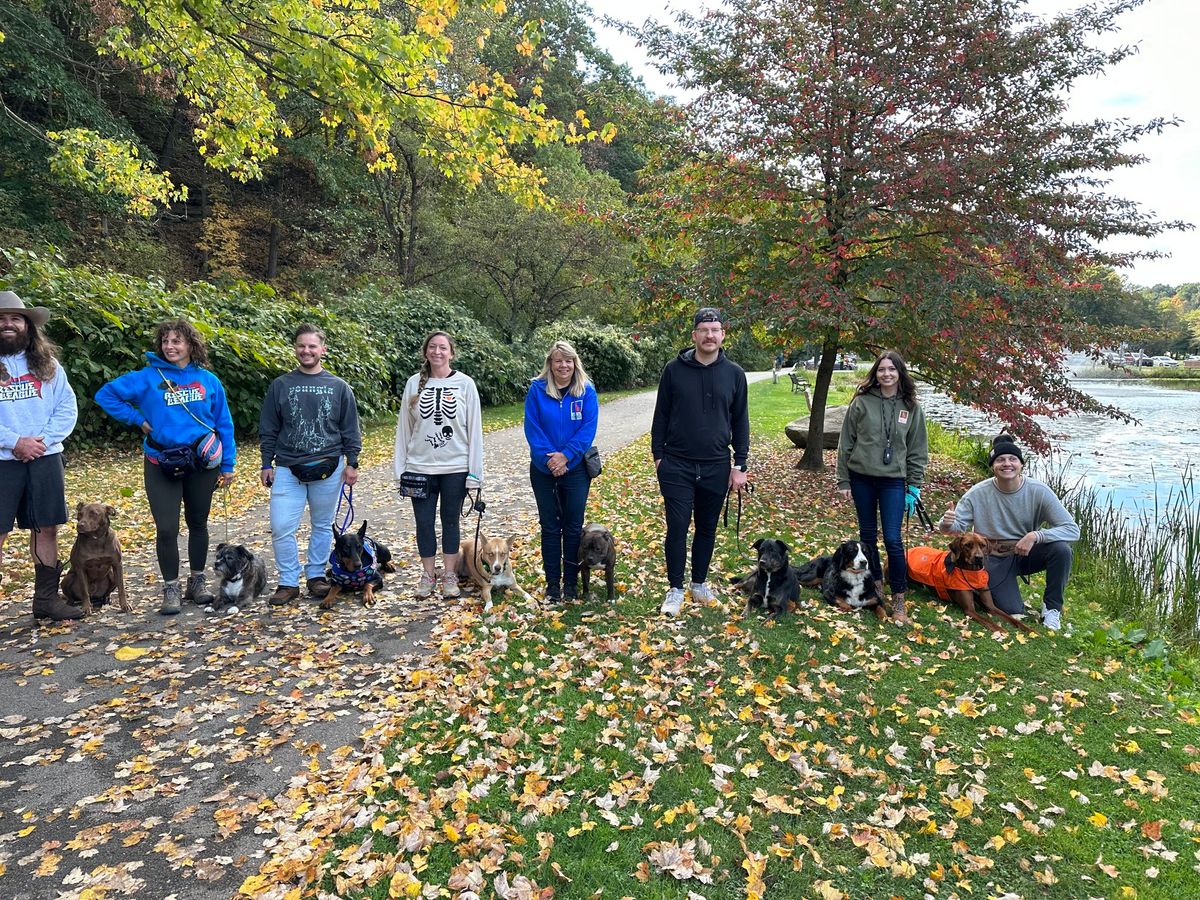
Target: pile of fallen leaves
x,y
599,750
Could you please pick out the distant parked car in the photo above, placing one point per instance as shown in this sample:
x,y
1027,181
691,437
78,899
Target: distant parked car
x,y
1164,361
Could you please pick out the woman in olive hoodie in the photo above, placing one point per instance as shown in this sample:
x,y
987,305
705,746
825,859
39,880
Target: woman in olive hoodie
x,y
881,463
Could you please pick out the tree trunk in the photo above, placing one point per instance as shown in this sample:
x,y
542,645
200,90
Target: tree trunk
x,y
273,251
410,253
166,156
813,459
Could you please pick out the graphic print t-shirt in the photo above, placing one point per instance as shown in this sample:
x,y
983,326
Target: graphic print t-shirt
x,y
30,406
441,432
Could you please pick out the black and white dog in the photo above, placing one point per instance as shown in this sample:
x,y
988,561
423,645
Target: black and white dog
x,y
774,584
847,582
241,576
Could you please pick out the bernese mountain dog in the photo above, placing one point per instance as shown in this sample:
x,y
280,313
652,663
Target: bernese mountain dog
x,y
847,583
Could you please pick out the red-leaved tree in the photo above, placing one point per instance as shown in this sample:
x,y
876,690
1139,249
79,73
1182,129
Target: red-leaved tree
x,y
873,173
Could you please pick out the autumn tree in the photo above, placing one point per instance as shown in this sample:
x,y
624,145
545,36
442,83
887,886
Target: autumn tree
x,y
875,173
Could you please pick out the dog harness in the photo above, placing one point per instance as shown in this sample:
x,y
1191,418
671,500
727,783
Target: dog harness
x,y
927,565
355,581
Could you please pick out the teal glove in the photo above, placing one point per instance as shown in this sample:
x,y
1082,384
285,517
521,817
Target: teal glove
x,y
912,494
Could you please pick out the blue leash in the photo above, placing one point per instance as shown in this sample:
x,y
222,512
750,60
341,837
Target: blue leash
x,y
348,497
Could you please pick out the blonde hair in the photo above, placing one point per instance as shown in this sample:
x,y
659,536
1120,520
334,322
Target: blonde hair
x,y
579,378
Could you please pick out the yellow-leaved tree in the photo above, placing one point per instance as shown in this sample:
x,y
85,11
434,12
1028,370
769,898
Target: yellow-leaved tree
x,y
370,66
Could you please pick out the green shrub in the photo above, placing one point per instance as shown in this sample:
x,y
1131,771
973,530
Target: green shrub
x,y
104,322
607,351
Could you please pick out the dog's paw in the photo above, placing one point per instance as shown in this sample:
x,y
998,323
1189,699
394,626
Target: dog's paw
x,y
326,604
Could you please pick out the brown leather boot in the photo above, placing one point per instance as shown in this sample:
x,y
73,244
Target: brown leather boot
x,y
899,609
47,602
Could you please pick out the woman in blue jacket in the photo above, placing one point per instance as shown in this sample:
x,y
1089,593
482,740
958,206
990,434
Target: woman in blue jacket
x,y
177,403
561,411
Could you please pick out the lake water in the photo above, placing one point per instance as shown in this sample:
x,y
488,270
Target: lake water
x,y
1127,461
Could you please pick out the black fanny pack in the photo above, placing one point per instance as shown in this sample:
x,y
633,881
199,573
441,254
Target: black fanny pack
x,y
177,462
318,471
592,462
414,485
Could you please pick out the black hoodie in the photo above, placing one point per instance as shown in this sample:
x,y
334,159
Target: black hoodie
x,y
701,411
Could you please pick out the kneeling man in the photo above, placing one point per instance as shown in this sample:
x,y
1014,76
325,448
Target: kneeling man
x,y
1031,531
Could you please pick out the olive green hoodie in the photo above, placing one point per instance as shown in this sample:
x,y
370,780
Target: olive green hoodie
x,y
863,440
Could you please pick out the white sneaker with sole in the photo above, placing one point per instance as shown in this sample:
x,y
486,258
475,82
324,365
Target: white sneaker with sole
x,y
1052,619
673,603
702,593
450,585
425,586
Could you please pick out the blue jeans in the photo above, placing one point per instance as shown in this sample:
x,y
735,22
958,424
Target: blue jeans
x,y
288,496
872,493
450,488
561,504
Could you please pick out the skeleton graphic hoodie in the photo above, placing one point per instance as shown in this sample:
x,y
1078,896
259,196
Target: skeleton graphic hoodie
x,y
441,432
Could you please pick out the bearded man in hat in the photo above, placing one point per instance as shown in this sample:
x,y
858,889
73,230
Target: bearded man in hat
x,y
1030,530
37,413
700,415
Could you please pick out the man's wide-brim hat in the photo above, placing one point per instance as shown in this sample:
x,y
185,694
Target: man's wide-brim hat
x,y
10,302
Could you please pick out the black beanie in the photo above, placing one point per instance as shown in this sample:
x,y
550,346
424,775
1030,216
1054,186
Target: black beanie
x,y
1005,445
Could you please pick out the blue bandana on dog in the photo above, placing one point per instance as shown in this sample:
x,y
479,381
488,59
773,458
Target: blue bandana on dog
x,y
355,581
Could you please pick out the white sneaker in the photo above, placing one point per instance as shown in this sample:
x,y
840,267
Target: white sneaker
x,y
425,586
450,585
702,593
673,603
1052,619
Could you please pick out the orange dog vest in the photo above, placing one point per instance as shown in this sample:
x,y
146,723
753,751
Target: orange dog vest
x,y
927,565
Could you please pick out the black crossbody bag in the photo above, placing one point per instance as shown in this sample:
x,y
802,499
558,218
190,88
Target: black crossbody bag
x,y
414,485
592,462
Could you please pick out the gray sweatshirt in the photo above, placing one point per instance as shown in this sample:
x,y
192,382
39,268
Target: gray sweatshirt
x,y
30,407
1009,517
305,418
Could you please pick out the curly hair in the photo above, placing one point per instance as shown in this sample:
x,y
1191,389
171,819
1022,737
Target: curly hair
x,y
197,349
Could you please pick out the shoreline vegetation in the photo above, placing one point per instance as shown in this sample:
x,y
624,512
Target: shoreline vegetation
x,y
719,755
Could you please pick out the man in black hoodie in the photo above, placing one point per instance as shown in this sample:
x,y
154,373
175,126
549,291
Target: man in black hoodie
x,y
699,415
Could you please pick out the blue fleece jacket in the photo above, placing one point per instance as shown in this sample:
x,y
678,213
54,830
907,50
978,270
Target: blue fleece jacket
x,y
566,426
144,396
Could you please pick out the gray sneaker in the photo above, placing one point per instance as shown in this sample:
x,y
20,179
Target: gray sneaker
x,y
172,595
702,593
1052,619
450,585
673,603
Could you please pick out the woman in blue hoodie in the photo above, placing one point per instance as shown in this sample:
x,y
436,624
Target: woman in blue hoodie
x,y
177,403
561,411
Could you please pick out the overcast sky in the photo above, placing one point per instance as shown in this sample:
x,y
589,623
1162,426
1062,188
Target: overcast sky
x,y
1160,81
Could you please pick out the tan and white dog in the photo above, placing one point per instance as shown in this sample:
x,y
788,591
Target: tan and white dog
x,y
488,566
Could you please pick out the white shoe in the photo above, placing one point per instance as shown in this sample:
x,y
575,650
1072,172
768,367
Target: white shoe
x,y
673,603
1052,619
702,593
425,586
450,585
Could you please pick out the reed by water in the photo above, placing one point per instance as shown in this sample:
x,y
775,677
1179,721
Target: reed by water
x,y
1140,566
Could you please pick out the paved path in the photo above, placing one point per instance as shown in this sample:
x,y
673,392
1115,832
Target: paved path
x,y
138,750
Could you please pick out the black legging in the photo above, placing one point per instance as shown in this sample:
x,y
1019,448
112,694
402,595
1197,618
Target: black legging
x,y
195,492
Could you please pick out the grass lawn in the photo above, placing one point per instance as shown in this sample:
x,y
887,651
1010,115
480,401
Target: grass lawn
x,y
602,751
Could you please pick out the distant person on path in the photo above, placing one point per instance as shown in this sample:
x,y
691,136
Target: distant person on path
x,y
1030,529
310,440
699,415
439,434
37,413
178,403
882,454
561,412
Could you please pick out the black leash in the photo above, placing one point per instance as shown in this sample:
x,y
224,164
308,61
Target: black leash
x,y
748,487
922,517
477,506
